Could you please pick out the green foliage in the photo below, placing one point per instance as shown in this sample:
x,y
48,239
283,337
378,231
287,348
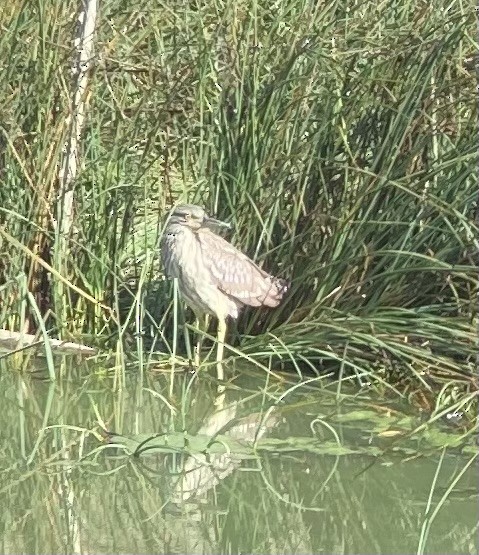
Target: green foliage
x,y
340,139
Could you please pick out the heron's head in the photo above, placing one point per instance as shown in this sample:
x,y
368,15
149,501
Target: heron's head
x,y
194,217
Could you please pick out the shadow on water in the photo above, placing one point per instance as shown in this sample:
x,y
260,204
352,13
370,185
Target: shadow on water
x,y
271,471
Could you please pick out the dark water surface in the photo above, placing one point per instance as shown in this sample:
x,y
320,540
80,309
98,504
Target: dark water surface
x,y
299,471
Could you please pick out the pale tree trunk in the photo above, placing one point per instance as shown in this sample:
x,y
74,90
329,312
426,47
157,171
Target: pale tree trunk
x,y
84,46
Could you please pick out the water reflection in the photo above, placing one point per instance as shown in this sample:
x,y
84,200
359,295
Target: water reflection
x,y
258,475
204,471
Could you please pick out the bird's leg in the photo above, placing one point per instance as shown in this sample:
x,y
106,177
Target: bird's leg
x,y
220,398
202,321
220,347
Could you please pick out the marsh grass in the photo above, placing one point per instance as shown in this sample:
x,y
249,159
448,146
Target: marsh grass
x,y
340,139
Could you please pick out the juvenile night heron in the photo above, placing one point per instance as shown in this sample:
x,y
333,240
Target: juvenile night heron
x,y
214,278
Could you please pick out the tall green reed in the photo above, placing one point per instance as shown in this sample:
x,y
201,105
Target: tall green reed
x,y
339,138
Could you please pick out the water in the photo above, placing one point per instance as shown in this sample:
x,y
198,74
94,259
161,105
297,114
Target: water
x,y
326,474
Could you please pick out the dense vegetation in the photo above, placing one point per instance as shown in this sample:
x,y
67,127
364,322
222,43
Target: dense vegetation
x,y
339,138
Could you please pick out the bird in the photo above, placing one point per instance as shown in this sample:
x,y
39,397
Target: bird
x,y
214,277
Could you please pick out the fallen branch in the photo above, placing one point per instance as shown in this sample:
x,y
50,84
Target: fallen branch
x,y
12,341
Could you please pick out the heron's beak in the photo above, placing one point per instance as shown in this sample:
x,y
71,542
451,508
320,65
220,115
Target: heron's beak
x,y
212,223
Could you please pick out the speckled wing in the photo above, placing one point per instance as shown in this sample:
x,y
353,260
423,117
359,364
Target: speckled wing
x,y
237,275
169,255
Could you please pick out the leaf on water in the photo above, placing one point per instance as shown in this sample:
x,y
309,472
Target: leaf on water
x,y
223,445
355,415
391,433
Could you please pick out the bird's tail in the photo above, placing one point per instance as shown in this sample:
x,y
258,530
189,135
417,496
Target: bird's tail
x,y
278,288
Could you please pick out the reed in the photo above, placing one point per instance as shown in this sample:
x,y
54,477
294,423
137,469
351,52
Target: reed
x,y
339,138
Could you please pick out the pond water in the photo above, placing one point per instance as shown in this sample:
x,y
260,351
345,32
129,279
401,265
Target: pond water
x,y
269,468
